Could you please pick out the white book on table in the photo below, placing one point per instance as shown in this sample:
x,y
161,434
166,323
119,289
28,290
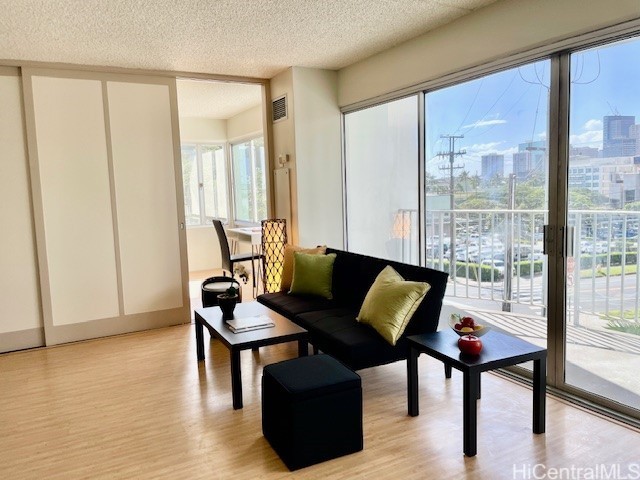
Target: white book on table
x,y
238,325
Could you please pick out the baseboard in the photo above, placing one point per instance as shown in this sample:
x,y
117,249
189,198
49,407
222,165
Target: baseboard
x,y
21,340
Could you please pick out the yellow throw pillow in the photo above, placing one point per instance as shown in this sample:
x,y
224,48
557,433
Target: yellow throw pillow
x,y
287,264
390,303
312,274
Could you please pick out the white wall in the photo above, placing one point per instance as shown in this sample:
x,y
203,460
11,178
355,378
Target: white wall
x,y
203,248
318,157
493,32
202,130
284,142
247,123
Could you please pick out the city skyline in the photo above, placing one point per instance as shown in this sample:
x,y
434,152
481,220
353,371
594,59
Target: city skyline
x,y
499,111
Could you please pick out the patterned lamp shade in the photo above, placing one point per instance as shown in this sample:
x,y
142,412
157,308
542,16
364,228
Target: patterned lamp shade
x,y
274,238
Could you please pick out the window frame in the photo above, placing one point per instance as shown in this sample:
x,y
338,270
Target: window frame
x,y
232,177
227,150
204,219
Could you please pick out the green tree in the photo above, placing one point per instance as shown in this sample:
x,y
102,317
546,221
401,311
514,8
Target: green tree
x,y
530,195
585,199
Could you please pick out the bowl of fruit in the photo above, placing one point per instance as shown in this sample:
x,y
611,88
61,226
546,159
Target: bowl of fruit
x,y
463,325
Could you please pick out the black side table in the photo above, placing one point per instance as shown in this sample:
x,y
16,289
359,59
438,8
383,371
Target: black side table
x,y
499,350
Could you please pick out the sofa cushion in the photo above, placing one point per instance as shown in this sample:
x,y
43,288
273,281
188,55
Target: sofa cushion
x,y
287,263
390,303
350,283
312,274
332,319
358,346
292,305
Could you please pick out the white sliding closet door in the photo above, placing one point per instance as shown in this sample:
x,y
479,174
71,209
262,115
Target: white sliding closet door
x,y
143,164
76,200
111,251
20,318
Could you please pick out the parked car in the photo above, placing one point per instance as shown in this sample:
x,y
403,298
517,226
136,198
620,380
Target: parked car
x,y
496,264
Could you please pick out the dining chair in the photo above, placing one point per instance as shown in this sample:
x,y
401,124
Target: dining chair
x,y
228,260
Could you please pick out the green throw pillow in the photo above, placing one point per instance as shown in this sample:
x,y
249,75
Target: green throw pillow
x,y
390,303
312,274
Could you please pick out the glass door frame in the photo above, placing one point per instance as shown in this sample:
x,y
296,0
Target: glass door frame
x,y
554,244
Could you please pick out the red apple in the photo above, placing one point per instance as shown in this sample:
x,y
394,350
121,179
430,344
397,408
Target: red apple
x,y
458,326
470,344
467,322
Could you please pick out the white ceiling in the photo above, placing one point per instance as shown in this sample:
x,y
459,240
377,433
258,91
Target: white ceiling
x,y
254,38
202,99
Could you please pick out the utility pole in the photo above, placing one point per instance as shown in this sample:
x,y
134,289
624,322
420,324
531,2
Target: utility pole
x,y
452,154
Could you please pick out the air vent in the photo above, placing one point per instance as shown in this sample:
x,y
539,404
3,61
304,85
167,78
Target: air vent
x,y
279,106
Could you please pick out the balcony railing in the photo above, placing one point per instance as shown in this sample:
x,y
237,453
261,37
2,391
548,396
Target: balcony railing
x,y
498,256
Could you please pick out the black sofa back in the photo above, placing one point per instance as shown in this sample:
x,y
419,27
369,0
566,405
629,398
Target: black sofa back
x,y
353,275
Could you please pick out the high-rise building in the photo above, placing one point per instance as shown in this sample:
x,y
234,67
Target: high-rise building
x,y
492,165
522,165
617,139
634,132
531,156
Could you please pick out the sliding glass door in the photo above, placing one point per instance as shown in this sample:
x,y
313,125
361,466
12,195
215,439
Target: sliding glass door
x,y
602,290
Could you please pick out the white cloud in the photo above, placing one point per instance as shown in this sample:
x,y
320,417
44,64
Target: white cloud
x,y
483,146
484,123
592,125
591,138
542,135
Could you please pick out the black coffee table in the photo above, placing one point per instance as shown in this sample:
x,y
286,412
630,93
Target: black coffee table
x,y
283,331
499,350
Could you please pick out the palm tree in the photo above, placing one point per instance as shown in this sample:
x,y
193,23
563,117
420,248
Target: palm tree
x,y
463,181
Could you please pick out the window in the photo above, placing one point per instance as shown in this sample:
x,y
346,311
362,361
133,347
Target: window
x,y
249,180
205,183
207,177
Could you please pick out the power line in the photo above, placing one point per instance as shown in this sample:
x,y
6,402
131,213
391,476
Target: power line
x,y
470,106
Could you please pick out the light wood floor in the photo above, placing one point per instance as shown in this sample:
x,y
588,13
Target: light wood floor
x,y
140,406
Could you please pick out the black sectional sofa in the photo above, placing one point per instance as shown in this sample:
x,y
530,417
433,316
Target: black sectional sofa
x,y
332,324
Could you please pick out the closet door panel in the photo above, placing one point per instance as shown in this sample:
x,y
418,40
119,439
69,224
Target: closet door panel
x,y
20,293
73,169
145,186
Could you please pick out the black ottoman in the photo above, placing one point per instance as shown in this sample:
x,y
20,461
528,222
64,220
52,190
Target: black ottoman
x,y
311,410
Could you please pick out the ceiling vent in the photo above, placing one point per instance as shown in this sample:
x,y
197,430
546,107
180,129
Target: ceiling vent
x,y
279,109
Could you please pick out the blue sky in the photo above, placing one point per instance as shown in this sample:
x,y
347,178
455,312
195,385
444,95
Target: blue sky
x,y
499,111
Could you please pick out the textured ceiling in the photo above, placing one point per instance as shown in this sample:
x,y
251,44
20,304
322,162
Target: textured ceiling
x,y
216,99
256,38
253,38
